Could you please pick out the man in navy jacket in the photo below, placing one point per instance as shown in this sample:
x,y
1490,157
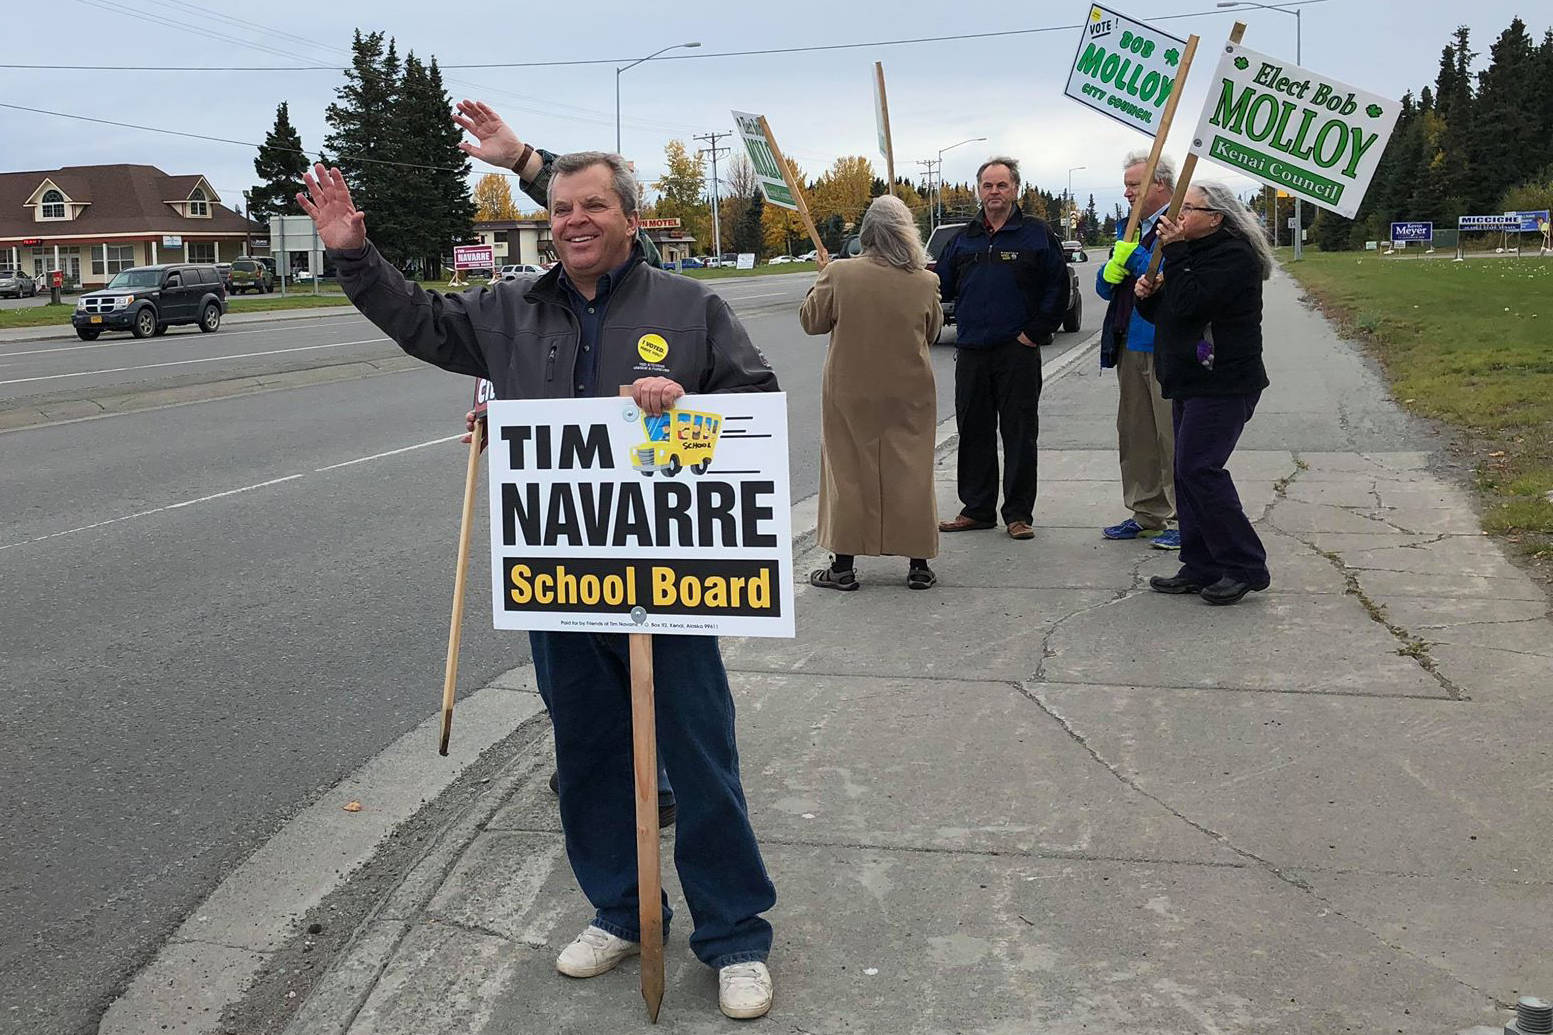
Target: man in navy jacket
x,y
1008,278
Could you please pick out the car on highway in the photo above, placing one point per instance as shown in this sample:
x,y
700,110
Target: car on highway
x,y
249,274
146,300
1072,319
16,283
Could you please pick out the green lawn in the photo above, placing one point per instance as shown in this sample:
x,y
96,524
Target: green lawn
x,y
1469,343
758,271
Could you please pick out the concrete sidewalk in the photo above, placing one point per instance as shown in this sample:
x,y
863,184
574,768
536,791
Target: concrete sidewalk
x,y
1041,798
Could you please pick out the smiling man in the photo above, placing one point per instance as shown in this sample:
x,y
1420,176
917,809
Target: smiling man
x,y
600,319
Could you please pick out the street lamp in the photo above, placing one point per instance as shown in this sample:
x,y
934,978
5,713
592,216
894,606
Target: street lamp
x,y
938,217
626,68
1299,225
1072,222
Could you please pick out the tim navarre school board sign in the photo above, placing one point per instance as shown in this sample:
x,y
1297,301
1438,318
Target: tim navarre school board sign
x,y
1294,129
606,519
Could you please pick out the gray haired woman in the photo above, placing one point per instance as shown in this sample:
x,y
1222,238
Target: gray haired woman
x,y
878,405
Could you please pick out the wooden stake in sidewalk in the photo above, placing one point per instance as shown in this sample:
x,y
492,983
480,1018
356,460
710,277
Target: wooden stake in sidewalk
x,y
455,629
792,185
1188,167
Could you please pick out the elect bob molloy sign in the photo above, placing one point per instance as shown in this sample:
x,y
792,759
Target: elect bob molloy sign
x,y
605,519
1314,137
1124,69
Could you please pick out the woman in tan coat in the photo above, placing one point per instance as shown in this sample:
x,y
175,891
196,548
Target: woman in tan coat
x,y
879,405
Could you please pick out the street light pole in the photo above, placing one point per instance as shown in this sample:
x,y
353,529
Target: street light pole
x,y
1299,59
940,216
627,68
1071,205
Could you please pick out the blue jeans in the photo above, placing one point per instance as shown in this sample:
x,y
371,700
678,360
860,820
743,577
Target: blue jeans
x,y
585,680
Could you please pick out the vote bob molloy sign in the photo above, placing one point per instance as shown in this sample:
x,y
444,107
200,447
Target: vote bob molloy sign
x,y
605,519
1314,137
1124,69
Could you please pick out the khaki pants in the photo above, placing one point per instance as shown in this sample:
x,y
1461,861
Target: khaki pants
x,y
1146,441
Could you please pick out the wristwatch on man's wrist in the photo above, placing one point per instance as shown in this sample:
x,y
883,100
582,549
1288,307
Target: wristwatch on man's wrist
x,y
528,152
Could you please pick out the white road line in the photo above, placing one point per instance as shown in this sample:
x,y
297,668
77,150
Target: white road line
x,y
391,452
229,492
186,362
746,298
150,341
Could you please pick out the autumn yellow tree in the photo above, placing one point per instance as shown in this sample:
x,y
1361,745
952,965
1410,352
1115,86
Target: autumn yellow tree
x,y
681,192
783,231
493,198
844,189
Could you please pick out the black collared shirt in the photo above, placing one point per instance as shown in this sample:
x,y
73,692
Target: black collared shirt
x,y
590,320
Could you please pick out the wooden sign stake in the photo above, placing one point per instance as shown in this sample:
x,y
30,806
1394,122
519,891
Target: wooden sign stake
x,y
884,108
649,878
455,628
797,191
1169,115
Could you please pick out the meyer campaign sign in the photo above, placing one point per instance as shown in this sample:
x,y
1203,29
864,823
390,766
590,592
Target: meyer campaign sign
x,y
606,519
1124,69
1294,129
1415,231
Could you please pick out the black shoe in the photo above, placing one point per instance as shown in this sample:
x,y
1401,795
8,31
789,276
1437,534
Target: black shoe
x,y
1229,590
921,578
666,813
1178,584
830,578
555,782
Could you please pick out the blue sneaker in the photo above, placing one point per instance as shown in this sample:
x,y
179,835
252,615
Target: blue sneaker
x,y
1128,529
1169,539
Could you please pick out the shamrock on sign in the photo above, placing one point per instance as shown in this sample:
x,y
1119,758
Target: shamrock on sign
x,y
1172,56
1373,111
1242,64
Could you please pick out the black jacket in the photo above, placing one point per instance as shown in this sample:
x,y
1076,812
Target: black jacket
x,y
1004,283
1213,280
521,335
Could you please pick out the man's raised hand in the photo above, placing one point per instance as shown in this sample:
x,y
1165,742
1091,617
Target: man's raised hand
x,y
498,144
341,226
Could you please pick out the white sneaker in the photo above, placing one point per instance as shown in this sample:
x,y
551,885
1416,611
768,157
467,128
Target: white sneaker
x,y
744,990
594,952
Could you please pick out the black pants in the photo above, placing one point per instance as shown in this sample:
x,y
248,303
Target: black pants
x,y
1216,536
997,388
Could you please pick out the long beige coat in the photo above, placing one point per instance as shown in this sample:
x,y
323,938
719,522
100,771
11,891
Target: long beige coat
x,y
879,407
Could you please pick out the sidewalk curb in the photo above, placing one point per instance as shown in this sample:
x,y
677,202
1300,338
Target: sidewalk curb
x,y
215,956
50,332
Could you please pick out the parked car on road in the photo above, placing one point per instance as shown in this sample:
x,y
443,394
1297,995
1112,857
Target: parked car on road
x,y
1072,319
780,260
519,269
809,256
146,300
16,283
249,274
851,248
224,271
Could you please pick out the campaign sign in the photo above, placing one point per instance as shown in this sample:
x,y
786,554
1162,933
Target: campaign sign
x,y
1412,231
606,519
1531,222
1481,223
763,157
474,256
1124,69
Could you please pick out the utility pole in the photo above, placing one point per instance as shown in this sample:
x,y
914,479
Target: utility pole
x,y
717,234
929,164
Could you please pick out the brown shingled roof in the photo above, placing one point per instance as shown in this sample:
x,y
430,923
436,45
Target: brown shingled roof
x,y
125,199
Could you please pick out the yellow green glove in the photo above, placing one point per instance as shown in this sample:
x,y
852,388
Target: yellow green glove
x,y
1115,270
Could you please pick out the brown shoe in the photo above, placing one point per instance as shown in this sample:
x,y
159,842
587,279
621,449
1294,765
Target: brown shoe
x,y
962,523
1020,530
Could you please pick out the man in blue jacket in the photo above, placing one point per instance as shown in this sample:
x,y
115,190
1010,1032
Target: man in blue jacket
x,y
1144,435
1006,274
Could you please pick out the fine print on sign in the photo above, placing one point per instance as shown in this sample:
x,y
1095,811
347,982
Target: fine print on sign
x,y
1511,222
762,157
1124,69
1294,129
606,519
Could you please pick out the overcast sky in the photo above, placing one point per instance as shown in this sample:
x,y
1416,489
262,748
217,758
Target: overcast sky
x,y
1007,88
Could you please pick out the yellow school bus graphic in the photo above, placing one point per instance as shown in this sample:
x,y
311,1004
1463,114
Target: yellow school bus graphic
x,y
676,440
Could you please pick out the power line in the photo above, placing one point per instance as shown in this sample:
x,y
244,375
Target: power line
x,y
615,61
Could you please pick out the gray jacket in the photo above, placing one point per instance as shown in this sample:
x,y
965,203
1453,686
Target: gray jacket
x,y
521,335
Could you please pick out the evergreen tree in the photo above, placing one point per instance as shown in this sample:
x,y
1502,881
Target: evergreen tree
x,y
438,211
749,230
280,164
364,137
1332,232
1446,188
1505,145
833,231
1091,223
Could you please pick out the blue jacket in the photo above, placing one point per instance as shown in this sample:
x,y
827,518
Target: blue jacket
x,y
1140,332
1014,280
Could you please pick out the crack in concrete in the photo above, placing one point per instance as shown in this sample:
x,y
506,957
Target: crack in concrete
x,y
1289,877
1046,640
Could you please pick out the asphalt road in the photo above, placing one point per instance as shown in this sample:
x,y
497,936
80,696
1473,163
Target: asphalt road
x,y
215,611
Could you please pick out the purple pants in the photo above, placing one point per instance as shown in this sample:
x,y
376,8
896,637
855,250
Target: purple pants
x,y
1217,539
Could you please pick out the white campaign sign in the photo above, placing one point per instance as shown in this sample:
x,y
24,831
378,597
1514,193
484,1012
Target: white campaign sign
x,y
1294,129
604,519
764,159
1124,69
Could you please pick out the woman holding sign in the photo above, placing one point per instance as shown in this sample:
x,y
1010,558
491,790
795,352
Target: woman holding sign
x,y
879,403
1207,316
